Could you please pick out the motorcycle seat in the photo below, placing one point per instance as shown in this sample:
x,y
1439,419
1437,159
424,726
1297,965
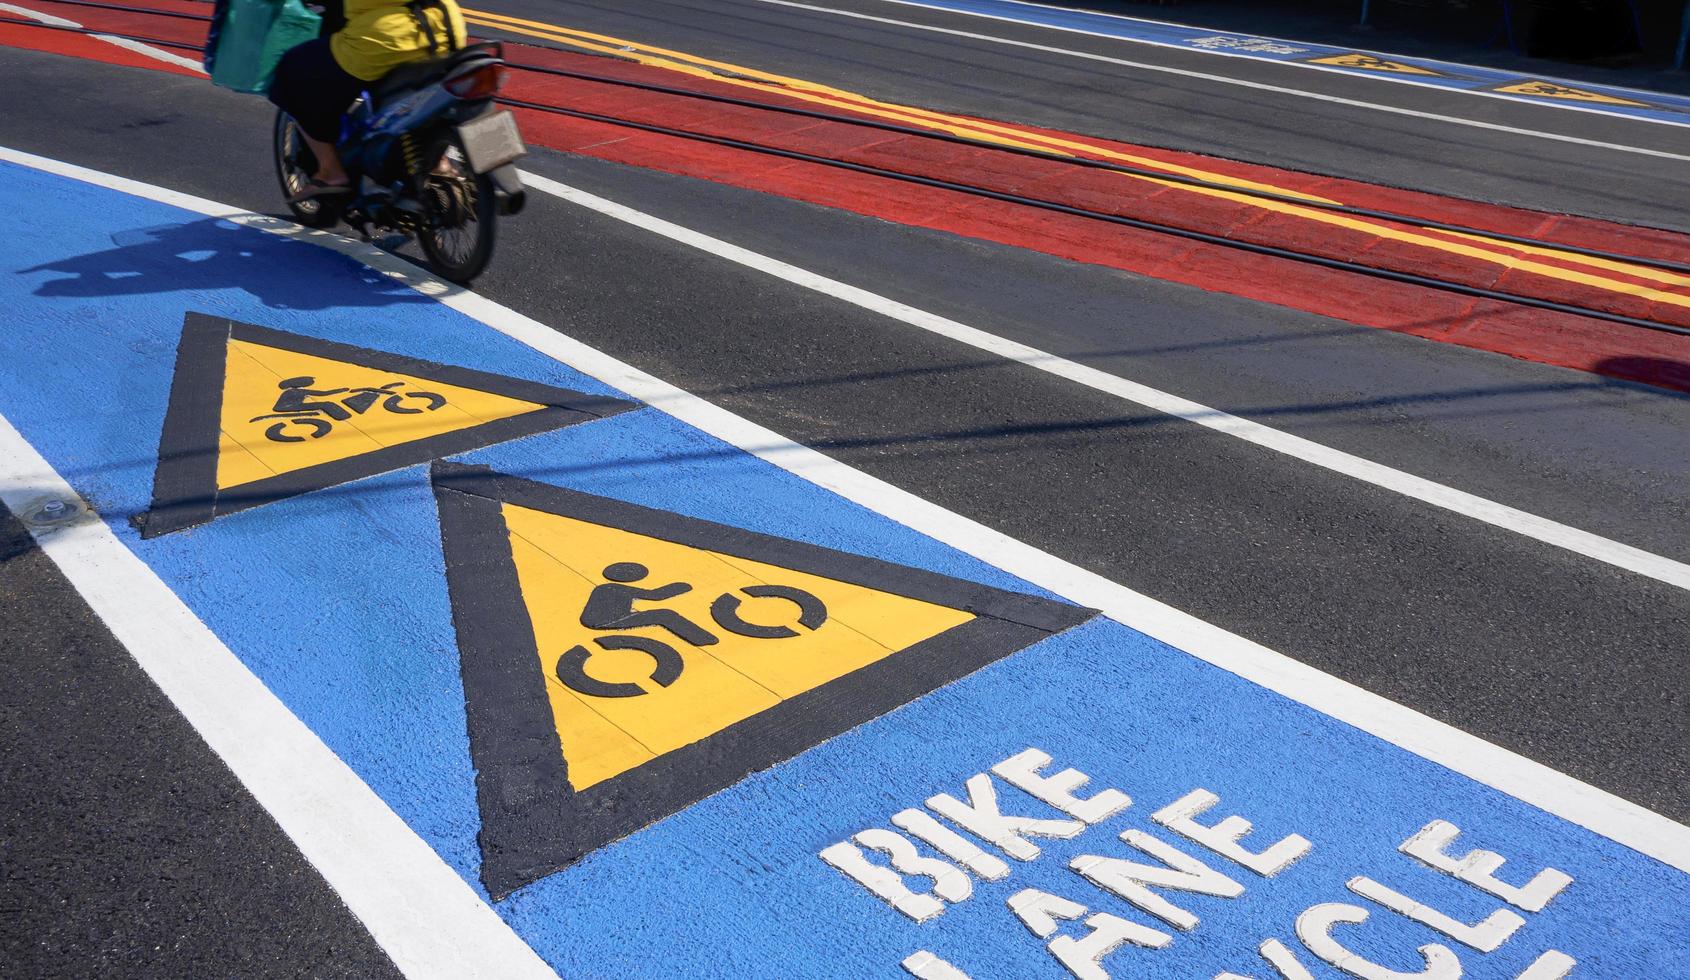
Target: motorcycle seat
x,y
407,78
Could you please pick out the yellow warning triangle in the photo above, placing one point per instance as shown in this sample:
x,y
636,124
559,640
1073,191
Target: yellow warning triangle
x,y
1555,90
284,410
606,730
1373,63
622,663
257,415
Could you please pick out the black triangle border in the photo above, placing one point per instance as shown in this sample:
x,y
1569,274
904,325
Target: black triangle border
x,y
533,823
185,492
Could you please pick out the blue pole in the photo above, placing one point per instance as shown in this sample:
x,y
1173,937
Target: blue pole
x,y
1366,3
1683,39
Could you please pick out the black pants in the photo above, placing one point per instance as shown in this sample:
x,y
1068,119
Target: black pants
x,y
310,86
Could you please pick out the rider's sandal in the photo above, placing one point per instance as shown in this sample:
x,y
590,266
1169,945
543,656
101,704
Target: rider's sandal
x,y
315,189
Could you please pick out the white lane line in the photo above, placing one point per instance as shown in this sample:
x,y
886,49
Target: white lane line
x,y
1657,567
1242,83
38,16
426,918
158,54
138,47
1553,792
1455,68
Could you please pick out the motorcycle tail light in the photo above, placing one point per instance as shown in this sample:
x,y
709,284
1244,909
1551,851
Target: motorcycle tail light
x,y
481,83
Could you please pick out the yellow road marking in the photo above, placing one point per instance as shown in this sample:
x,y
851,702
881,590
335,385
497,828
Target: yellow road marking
x,y
252,376
562,562
798,88
1640,271
1553,90
1372,63
684,63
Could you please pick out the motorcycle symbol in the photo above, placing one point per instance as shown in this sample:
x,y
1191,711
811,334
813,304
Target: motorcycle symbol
x,y
294,407
611,607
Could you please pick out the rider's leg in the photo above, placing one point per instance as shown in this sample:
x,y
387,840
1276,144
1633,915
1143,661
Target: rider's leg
x,y
329,169
672,621
310,86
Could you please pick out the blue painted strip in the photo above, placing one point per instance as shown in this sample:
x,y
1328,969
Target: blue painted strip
x,y
1470,78
337,601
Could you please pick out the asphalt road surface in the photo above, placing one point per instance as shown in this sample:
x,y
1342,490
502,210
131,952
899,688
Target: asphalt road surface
x,y
1063,90
131,850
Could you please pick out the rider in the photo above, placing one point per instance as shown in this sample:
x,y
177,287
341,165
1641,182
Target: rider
x,y
296,395
362,41
611,605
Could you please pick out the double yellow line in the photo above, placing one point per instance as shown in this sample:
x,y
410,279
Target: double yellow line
x,y
1467,246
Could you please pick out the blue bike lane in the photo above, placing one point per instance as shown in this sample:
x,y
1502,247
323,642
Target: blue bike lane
x,y
1534,89
888,791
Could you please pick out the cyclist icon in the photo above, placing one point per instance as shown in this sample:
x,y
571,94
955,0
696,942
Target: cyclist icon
x,y
610,606
296,394
295,406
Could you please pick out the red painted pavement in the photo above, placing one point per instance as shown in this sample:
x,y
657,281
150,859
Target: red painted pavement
x,y
1562,339
81,46
1567,340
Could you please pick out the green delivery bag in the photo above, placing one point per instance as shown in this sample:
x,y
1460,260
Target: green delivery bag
x,y
248,38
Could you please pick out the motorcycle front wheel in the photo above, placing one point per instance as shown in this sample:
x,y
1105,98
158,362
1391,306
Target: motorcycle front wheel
x,y
295,163
462,212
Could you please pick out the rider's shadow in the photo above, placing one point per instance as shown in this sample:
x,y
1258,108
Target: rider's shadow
x,y
213,254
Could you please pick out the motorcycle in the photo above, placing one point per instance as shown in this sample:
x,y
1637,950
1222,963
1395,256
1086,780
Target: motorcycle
x,y
429,156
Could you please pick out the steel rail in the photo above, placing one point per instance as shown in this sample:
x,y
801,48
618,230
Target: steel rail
x,y
1084,162
1344,209
128,9
1429,282
92,32
1343,265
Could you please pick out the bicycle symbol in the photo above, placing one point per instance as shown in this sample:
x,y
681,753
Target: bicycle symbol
x,y
294,406
1548,88
611,607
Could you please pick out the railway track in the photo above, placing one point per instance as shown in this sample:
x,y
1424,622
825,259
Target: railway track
x,y
1007,197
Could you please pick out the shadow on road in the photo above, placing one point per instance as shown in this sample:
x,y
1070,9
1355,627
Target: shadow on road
x,y
214,254
1653,371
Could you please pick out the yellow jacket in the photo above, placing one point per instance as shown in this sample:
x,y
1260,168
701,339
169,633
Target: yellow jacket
x,y
381,35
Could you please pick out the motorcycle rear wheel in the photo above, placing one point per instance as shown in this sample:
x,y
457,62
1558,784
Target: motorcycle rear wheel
x,y
294,165
463,213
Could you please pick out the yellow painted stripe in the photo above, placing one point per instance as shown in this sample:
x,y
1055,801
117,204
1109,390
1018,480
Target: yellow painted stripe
x,y
684,63
983,130
1640,271
1468,251
830,99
